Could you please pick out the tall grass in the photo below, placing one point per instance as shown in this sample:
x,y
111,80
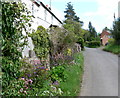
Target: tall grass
x,y
114,48
74,77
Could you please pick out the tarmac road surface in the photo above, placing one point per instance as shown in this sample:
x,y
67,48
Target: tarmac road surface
x,y
100,73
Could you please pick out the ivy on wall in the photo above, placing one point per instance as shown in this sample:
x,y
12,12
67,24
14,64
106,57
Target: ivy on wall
x,y
15,19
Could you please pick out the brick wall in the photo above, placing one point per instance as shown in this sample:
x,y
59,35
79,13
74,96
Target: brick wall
x,y
105,39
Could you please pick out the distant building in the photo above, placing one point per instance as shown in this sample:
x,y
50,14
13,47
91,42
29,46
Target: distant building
x,y
105,36
43,16
119,9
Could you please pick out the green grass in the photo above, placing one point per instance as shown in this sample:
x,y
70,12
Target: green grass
x,y
112,48
74,77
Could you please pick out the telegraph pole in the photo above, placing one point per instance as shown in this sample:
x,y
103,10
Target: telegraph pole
x,y
50,4
118,9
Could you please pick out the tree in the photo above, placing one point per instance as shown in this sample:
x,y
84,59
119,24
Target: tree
x,y
92,31
70,14
90,27
61,39
116,30
72,23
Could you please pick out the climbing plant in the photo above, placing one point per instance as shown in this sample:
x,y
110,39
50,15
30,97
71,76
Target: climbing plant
x,y
15,19
41,42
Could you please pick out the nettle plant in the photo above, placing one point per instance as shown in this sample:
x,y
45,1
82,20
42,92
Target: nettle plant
x,y
15,19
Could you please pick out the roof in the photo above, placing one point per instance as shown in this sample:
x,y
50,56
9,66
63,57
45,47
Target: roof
x,y
104,32
40,3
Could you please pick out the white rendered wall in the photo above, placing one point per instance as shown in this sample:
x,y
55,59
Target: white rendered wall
x,y
42,17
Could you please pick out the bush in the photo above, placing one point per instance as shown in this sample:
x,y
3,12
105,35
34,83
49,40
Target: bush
x,y
41,42
111,41
58,74
93,44
116,31
15,19
112,47
10,71
81,42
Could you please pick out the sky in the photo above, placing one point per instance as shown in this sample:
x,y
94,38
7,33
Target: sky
x,y
99,12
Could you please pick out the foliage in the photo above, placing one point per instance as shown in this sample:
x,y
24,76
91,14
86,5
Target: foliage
x,y
61,39
69,51
15,19
93,44
75,27
14,88
92,31
116,30
10,71
111,41
58,74
97,38
74,71
72,23
81,42
86,35
41,42
71,15
112,47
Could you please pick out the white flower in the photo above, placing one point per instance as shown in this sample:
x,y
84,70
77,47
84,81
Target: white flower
x,y
60,91
21,90
54,88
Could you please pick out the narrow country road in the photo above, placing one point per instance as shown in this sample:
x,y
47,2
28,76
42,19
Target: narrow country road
x,y
101,73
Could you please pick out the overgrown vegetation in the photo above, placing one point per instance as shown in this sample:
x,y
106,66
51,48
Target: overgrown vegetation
x,y
41,42
71,87
112,47
116,31
93,44
92,39
15,18
25,77
114,44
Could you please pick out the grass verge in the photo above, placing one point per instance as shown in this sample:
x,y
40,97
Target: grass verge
x,y
71,87
112,48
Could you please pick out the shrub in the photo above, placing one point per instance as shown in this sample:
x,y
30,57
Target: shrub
x,y
81,42
58,74
116,31
41,42
111,41
114,48
10,71
15,19
93,44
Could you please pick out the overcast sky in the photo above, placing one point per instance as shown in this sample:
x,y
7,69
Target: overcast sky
x,y
99,12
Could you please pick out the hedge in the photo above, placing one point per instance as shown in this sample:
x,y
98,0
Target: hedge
x,y
93,44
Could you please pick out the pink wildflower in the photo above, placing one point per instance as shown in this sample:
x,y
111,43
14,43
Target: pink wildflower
x,y
22,78
30,81
21,90
25,92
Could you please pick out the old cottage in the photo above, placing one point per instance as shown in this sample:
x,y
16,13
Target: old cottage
x,y
105,36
